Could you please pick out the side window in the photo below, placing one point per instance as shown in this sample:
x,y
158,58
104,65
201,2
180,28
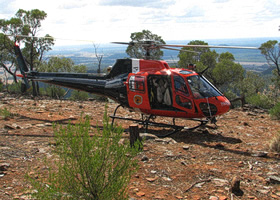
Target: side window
x,y
180,85
137,83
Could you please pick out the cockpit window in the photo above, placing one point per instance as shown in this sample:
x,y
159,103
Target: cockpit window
x,y
180,85
201,88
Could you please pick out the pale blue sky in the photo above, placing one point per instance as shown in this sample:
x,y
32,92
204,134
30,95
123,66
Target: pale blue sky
x,y
115,20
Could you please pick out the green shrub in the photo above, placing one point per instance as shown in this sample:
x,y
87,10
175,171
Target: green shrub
x,y
55,92
5,113
99,97
79,95
14,88
275,111
260,100
89,167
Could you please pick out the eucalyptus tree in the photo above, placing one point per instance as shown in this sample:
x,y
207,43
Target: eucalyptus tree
x,y
271,51
137,50
23,28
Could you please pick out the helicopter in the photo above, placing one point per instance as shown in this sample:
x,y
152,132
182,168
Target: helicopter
x,y
150,87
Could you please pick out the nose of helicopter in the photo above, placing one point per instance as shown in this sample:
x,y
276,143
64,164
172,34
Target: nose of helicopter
x,y
224,105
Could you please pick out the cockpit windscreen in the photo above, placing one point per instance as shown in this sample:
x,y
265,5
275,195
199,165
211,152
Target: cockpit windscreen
x,y
201,88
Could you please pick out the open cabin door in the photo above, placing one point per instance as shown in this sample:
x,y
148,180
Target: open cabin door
x,y
160,92
137,92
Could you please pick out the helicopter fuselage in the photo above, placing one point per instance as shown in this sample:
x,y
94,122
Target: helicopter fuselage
x,y
148,86
155,88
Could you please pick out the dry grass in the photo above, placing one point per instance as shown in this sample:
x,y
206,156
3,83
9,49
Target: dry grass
x,y
274,144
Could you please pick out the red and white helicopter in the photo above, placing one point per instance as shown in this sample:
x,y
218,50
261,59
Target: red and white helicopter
x,y
151,87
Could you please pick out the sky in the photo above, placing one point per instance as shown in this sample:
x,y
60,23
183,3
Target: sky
x,y
104,21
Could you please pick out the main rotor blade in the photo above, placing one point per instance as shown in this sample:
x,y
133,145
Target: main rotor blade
x,y
125,43
149,44
179,49
210,46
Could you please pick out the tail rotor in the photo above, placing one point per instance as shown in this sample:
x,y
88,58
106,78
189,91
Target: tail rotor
x,y
22,67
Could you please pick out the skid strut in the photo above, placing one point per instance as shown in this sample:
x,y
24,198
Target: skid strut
x,y
147,122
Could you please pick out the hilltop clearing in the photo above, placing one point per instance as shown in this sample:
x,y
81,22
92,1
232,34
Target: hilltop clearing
x,y
198,164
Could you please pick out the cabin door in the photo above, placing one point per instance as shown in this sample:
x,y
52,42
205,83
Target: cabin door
x,y
182,99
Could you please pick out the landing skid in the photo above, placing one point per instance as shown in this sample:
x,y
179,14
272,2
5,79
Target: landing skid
x,y
147,122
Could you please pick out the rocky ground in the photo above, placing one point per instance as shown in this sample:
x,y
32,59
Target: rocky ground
x,y
230,162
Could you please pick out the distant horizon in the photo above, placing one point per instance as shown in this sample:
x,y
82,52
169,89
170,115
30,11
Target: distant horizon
x,y
77,43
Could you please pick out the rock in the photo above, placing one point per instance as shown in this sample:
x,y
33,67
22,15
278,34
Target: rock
x,y
263,191
40,111
166,178
148,136
259,154
152,179
166,140
140,194
272,173
220,182
48,124
4,166
274,180
186,147
235,186
213,198
184,163
40,125
29,142
223,198
199,185
10,127
251,197
16,126
144,158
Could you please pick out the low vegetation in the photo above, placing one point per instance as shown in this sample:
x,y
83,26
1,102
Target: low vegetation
x,y
89,165
79,95
275,111
260,100
5,113
274,144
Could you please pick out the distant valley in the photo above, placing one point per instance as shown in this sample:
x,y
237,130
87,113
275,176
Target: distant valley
x,y
85,54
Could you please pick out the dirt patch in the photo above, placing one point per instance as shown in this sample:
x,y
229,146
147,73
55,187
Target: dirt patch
x,y
200,164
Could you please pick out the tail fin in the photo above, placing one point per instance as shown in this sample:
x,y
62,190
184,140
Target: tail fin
x,y
22,66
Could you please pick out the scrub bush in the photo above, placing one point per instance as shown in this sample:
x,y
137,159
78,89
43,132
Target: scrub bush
x,y
90,165
275,111
5,113
260,100
79,95
274,144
